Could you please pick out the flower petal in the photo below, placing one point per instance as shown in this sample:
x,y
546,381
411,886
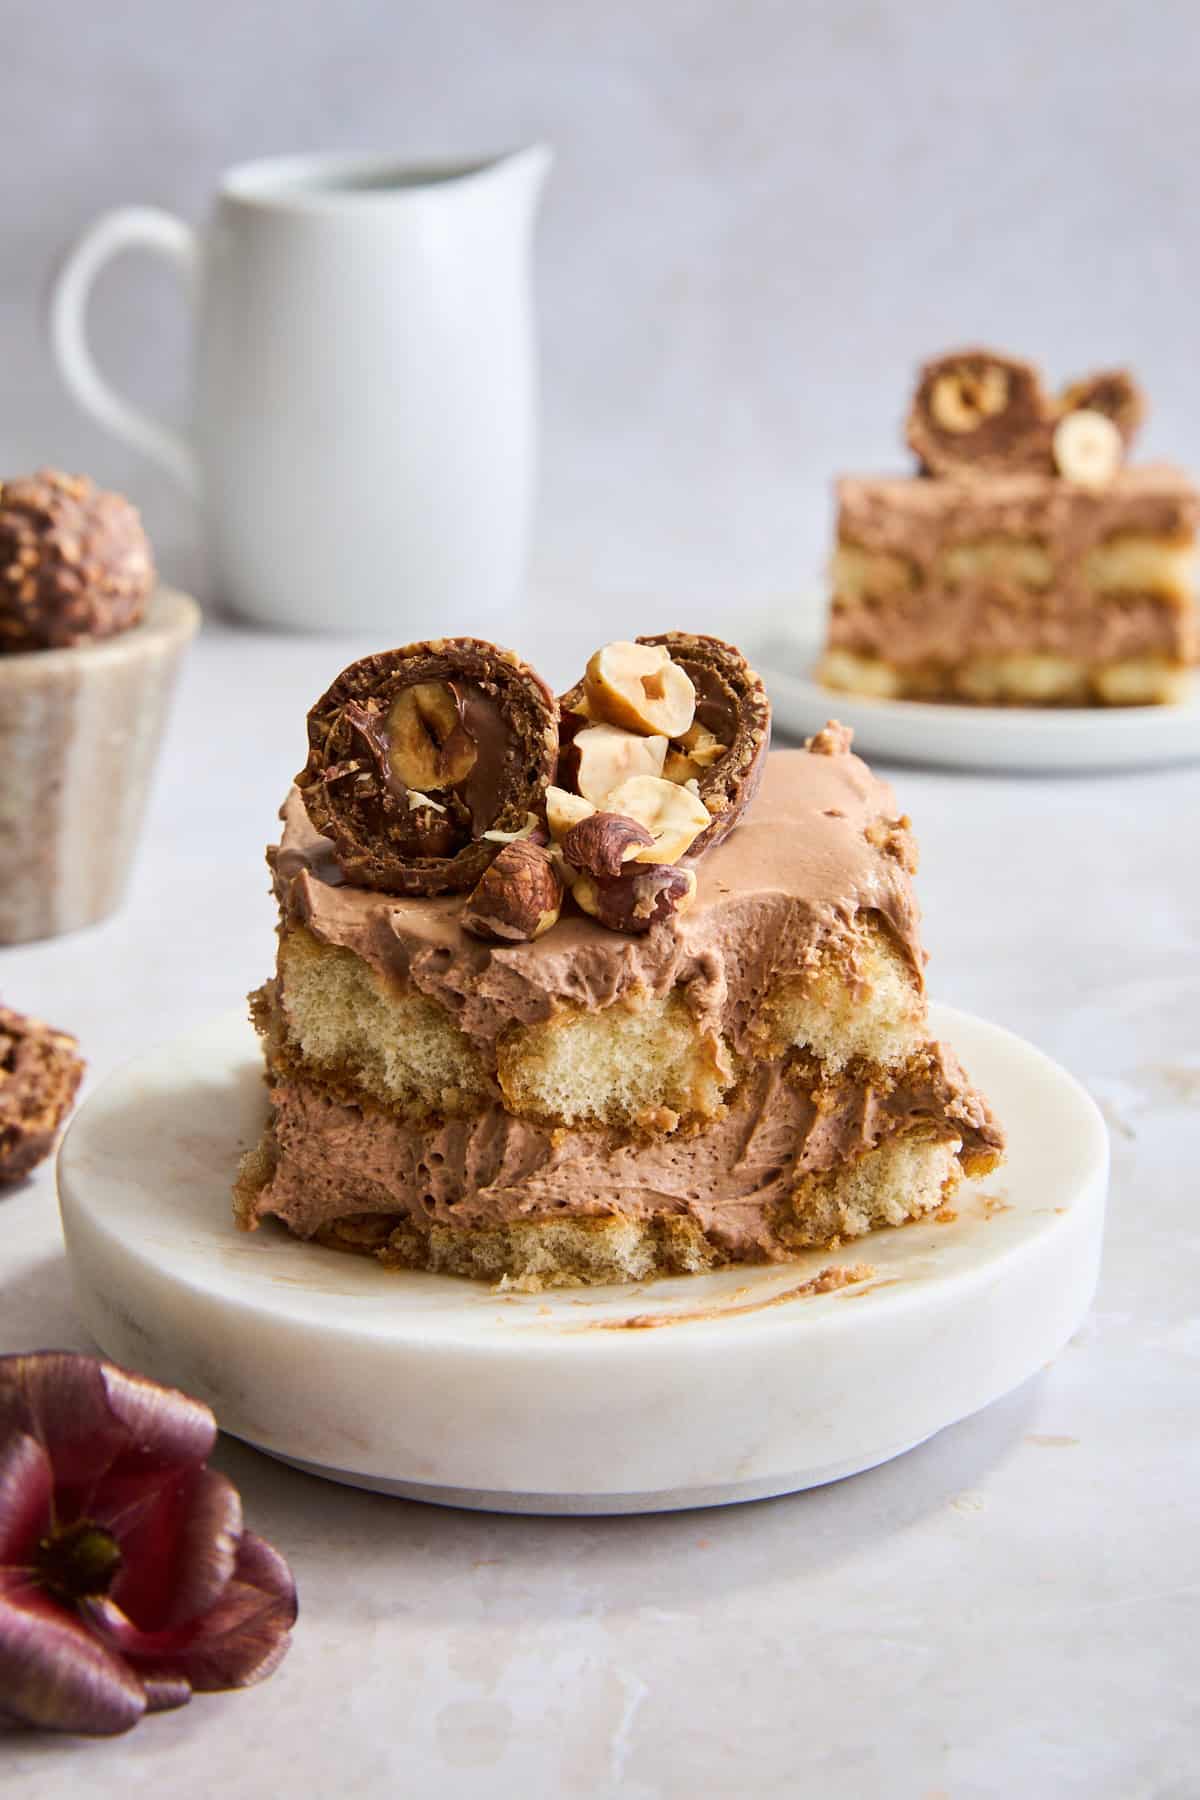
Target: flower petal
x,y
54,1674
246,1636
26,1497
167,1426
179,1545
240,1641
58,1398
165,1692
92,1417
196,1603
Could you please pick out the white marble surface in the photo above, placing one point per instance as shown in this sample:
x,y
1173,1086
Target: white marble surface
x,y
1009,1609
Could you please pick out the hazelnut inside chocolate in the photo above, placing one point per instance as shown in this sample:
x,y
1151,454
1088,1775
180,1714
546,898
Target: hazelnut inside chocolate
x,y
437,751
977,411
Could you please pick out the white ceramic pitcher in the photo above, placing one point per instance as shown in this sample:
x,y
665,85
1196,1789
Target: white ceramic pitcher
x,y
363,442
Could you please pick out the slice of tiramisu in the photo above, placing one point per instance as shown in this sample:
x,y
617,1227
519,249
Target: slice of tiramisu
x,y
678,1020
1026,563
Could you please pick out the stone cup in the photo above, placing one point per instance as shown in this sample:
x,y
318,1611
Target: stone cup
x,y
79,736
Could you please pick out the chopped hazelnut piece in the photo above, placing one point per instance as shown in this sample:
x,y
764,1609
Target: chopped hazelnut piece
x,y
673,815
639,687
607,756
1087,448
563,810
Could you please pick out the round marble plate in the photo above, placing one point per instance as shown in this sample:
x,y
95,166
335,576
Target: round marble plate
x,y
687,1392
1042,740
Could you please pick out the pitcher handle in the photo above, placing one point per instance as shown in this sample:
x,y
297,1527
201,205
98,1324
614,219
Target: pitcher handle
x,y
125,228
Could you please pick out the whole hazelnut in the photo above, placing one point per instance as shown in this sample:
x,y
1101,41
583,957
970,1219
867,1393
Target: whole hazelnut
x,y
517,898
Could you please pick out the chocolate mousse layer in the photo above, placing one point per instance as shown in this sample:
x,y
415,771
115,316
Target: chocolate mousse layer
x,y
822,854
917,519
737,1180
906,627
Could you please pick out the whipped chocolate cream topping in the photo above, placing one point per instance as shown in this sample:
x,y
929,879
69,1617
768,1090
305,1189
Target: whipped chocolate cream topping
x,y
732,1178
804,868
918,519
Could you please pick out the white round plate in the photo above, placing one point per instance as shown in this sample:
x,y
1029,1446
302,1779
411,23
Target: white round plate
x,y
687,1392
1042,740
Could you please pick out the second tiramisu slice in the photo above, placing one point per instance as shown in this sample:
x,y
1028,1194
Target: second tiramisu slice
x,y
1027,563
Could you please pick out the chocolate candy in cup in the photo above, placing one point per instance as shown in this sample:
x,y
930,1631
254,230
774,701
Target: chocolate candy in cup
x,y
417,755
725,751
978,412
75,563
1111,392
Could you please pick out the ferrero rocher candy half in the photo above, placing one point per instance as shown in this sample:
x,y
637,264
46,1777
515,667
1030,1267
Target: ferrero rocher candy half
x,y
977,412
664,743
724,752
423,762
1111,392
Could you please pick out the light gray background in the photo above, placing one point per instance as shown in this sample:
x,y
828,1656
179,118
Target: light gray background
x,y
762,215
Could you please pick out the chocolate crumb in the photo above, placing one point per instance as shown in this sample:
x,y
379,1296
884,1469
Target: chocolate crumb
x,y
833,739
40,1071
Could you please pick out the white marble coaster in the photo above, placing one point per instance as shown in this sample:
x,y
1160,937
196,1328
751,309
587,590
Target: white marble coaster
x,y
687,1392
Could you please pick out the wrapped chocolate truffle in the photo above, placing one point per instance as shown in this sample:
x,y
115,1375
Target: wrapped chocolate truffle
x,y
424,761
75,564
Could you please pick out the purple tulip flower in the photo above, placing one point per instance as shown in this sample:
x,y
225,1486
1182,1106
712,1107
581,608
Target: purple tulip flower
x,y
126,1579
